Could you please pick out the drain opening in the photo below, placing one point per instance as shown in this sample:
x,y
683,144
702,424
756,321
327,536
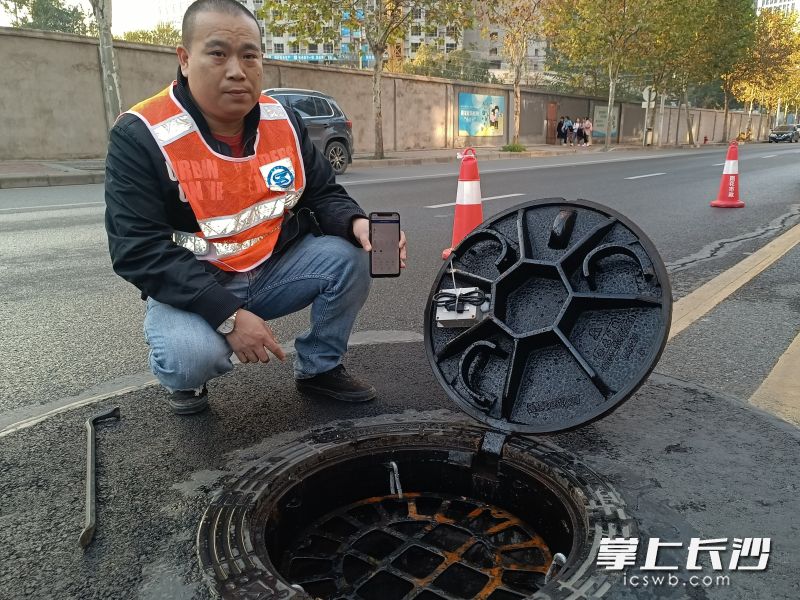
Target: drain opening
x,y
458,531
456,546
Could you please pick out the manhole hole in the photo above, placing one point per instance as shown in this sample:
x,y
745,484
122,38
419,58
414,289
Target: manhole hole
x,y
388,547
574,311
319,514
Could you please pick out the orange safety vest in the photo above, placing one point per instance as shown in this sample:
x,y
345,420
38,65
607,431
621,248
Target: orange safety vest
x,y
239,203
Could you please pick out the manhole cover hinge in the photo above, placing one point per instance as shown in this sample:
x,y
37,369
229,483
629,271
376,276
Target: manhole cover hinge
x,y
492,444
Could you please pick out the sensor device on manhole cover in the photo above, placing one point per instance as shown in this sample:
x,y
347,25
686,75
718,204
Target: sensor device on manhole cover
x,y
547,316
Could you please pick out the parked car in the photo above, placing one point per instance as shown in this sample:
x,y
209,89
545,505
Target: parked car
x,y
784,133
328,126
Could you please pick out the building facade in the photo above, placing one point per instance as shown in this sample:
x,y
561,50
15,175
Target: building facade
x,y
784,5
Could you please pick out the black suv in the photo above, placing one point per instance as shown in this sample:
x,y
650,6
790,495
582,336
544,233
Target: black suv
x,y
328,126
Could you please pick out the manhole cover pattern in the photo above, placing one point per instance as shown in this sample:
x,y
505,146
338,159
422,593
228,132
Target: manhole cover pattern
x,y
578,314
423,546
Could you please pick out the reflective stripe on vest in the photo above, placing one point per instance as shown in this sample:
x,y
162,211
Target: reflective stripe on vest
x,y
239,203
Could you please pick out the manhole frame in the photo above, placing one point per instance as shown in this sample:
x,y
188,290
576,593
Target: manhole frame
x,y
231,538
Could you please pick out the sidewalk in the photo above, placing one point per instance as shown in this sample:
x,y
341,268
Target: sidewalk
x,y
38,173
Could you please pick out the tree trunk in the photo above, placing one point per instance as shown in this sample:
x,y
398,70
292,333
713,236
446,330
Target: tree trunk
x,y
376,104
661,118
749,116
725,119
517,102
688,116
108,61
651,126
612,88
778,114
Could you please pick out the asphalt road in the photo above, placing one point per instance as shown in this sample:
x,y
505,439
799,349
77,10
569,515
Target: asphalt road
x,y
70,326
687,453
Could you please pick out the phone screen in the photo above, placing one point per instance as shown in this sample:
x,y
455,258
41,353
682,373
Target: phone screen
x,y
384,235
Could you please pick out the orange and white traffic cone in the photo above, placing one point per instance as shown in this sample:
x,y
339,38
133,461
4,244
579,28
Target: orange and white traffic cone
x,y
728,196
469,213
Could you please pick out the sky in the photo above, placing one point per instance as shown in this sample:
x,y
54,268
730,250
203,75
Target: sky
x,y
127,15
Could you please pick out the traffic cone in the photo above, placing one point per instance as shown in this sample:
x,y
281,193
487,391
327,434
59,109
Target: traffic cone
x,y
728,196
469,213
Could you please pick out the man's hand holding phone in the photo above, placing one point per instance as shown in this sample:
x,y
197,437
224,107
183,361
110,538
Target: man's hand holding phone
x,y
381,236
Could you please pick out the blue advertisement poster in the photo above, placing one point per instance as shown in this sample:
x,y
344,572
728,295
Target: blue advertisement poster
x,y
480,115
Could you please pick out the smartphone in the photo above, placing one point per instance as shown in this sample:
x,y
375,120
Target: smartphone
x,y
384,235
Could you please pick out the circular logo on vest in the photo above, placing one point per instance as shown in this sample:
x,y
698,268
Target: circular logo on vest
x,y
280,176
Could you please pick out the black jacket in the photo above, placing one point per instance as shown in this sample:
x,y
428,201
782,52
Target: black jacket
x,y
143,210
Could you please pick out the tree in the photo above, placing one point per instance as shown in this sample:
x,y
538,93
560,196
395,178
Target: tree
x,y
164,34
50,15
613,34
108,61
382,23
520,23
758,76
732,33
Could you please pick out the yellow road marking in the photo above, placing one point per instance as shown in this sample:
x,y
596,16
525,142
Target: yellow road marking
x,y
779,393
693,306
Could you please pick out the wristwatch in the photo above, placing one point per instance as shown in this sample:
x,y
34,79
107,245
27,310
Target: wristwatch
x,y
228,324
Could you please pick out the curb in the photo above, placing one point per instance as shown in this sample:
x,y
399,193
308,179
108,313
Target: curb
x,y
24,181
91,177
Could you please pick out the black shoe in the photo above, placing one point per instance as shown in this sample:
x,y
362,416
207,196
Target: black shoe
x,y
337,384
188,402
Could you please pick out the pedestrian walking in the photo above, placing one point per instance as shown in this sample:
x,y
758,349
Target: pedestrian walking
x,y
560,131
579,132
569,126
587,130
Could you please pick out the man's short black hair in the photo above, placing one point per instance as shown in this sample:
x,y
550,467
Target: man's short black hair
x,y
228,7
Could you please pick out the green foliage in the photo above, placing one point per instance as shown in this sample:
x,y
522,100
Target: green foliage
x,y
164,34
381,23
513,148
432,62
50,15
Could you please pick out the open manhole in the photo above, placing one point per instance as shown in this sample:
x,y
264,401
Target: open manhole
x,y
575,312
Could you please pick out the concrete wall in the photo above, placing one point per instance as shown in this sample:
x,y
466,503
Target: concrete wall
x,y
708,123
52,108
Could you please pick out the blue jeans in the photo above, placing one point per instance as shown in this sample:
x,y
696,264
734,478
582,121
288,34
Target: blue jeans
x,y
327,272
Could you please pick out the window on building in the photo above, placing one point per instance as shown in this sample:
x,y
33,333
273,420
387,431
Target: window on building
x,y
493,36
451,31
295,48
431,31
414,46
327,32
450,47
416,30
494,64
492,51
278,48
313,48
327,48
536,52
417,13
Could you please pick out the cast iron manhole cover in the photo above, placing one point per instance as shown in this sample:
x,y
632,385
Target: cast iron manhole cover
x,y
578,313
390,548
